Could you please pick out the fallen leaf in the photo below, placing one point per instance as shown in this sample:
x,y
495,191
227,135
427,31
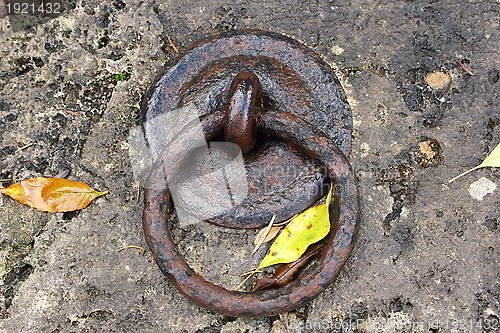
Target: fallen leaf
x,y
493,160
287,272
265,236
305,229
52,194
270,235
262,235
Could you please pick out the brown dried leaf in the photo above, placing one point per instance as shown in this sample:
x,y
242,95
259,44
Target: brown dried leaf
x,y
261,236
270,235
52,194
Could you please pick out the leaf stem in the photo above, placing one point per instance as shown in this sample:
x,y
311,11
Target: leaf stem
x,y
284,222
462,174
24,147
131,246
246,279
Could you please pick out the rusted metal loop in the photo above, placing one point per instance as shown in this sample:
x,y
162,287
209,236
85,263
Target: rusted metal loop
x,y
243,99
307,286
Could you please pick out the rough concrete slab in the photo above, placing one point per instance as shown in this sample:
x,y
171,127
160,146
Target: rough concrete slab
x,y
427,257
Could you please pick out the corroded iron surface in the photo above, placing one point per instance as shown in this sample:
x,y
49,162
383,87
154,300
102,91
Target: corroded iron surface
x,y
284,107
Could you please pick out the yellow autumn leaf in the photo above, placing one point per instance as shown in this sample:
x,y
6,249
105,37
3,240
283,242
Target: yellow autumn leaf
x,y
492,160
305,229
52,194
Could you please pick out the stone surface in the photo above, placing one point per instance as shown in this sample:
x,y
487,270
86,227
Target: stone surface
x,y
427,257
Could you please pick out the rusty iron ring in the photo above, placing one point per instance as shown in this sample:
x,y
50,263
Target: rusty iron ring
x,y
311,282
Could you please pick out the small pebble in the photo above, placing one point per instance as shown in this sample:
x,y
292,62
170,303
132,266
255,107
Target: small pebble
x,y
337,50
481,187
438,80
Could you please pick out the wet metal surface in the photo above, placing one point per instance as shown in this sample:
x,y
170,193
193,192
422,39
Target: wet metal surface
x,y
247,112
